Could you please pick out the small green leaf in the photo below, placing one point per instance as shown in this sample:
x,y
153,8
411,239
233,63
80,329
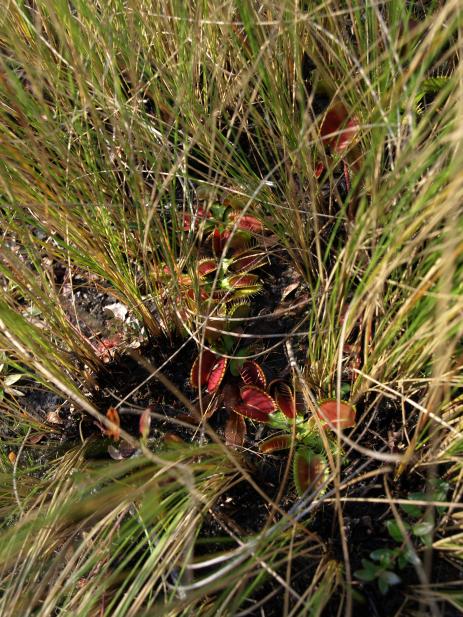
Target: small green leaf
x,y
346,388
367,575
390,577
383,586
357,597
422,529
394,530
410,508
386,580
384,555
411,557
402,561
440,494
442,488
427,539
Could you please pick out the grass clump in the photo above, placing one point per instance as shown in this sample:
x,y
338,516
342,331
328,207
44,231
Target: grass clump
x,y
277,187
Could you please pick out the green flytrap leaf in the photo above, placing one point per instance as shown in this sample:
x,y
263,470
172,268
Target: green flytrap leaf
x,y
235,313
431,85
240,310
238,361
218,212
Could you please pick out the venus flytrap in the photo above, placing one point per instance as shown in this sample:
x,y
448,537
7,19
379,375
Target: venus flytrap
x,y
216,286
339,133
215,293
144,425
243,390
310,466
219,221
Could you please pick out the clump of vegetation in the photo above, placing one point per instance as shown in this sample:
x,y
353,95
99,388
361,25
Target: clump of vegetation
x,y
230,308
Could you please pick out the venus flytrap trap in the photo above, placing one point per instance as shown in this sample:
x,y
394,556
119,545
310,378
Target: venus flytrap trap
x,y
144,425
435,87
339,133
